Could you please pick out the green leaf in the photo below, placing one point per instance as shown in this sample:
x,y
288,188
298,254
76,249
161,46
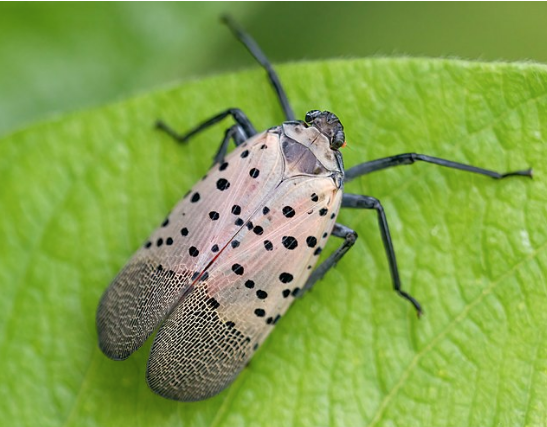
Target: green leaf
x,y
80,194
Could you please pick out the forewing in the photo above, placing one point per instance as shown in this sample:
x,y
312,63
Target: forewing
x,y
211,335
159,275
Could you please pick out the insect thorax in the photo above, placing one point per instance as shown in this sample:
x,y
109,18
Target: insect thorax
x,y
307,152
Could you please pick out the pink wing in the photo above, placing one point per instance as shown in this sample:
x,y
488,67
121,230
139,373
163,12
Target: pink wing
x,y
225,264
212,334
158,276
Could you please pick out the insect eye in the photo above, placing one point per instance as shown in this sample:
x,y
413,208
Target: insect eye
x,y
338,140
310,115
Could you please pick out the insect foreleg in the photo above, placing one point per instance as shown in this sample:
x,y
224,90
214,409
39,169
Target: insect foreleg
x,y
410,158
366,202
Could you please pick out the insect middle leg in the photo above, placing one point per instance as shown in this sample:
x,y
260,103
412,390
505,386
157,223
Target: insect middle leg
x,y
239,133
245,131
359,201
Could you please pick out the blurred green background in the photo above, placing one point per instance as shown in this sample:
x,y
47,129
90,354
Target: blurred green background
x,y
59,57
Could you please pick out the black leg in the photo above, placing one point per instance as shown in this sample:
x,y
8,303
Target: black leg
x,y
410,158
349,237
236,133
246,127
366,202
257,53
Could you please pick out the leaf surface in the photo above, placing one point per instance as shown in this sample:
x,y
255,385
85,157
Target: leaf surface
x,y
80,194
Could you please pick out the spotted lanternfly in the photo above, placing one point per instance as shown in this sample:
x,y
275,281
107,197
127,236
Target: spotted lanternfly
x,y
230,258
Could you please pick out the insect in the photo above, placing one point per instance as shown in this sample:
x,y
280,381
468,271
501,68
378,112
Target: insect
x,y
230,258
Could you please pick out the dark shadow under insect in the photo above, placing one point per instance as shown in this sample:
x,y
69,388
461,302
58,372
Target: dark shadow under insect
x,y
244,129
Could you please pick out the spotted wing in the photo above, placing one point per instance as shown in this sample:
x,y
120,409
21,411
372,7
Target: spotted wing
x,y
209,338
162,272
